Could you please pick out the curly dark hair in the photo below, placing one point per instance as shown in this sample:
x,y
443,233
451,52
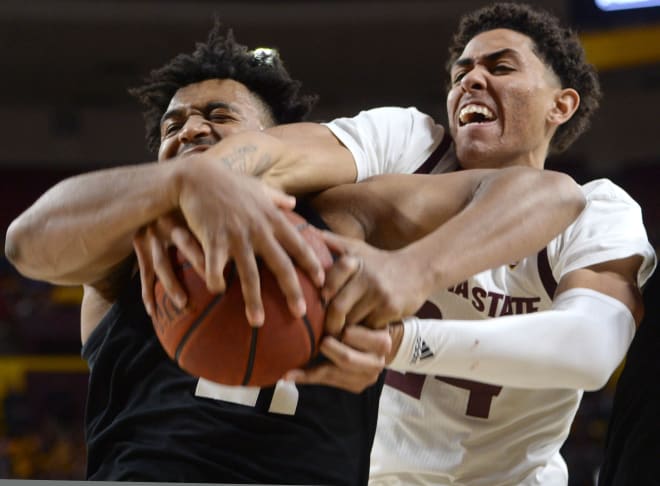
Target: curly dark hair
x,y
221,57
558,47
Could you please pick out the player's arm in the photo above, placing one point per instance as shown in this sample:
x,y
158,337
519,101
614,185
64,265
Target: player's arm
x,y
120,200
578,343
80,230
435,227
303,158
306,158
395,210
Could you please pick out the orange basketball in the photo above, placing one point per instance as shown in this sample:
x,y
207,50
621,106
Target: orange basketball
x,y
211,337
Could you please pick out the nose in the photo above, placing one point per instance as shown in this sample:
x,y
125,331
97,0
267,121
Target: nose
x,y
195,127
474,79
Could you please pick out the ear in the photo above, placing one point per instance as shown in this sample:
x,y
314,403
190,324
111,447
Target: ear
x,y
566,102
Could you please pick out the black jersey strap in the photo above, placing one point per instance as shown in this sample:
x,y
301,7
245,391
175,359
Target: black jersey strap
x,y
545,272
304,209
435,157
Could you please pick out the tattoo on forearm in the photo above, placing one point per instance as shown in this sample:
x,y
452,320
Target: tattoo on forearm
x,y
239,160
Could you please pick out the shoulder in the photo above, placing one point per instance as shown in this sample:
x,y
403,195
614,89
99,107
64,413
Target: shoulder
x,y
388,139
609,228
605,189
608,202
385,116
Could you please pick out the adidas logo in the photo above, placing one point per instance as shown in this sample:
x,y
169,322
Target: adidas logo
x,y
421,350
426,351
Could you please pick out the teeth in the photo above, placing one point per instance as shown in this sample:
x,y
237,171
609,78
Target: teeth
x,y
467,113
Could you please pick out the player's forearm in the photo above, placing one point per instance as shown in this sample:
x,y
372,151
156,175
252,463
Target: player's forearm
x,y
510,214
393,210
309,159
576,344
82,227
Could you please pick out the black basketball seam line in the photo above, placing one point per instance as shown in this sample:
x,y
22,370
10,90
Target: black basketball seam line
x,y
311,335
255,331
251,356
194,326
253,335
202,316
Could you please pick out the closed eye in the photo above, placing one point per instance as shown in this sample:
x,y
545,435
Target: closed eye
x,y
171,128
220,115
458,76
502,69
219,118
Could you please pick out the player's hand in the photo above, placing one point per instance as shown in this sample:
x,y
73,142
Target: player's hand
x,y
151,244
238,217
371,286
355,362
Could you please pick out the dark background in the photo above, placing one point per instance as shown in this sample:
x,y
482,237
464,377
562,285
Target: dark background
x,y
65,66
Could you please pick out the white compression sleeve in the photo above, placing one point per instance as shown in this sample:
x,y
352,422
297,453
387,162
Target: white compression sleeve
x,y
577,343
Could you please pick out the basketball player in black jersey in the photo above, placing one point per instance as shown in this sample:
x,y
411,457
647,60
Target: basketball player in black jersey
x,y
148,420
632,444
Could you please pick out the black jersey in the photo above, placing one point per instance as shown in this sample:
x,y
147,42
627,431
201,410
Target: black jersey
x,y
145,422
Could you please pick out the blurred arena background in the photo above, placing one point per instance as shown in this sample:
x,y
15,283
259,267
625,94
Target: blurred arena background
x,y
64,109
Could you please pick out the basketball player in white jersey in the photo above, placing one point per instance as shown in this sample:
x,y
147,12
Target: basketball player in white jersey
x,y
485,382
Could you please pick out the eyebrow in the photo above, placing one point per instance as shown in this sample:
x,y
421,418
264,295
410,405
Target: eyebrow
x,y
178,112
490,57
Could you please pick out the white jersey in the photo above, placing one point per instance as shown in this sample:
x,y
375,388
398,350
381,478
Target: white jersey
x,y
392,140
440,430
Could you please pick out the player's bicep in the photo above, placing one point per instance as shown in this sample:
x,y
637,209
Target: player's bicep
x,y
616,278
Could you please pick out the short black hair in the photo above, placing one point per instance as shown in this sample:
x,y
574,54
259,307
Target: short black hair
x,y
558,47
221,57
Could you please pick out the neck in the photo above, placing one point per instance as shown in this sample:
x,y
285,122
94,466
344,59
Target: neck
x,y
487,160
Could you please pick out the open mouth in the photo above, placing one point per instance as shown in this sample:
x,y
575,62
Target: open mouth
x,y
475,114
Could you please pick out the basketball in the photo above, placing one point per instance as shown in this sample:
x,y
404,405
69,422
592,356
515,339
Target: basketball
x,y
211,337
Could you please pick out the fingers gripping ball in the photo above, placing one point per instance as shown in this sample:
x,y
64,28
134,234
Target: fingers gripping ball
x,y
211,337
